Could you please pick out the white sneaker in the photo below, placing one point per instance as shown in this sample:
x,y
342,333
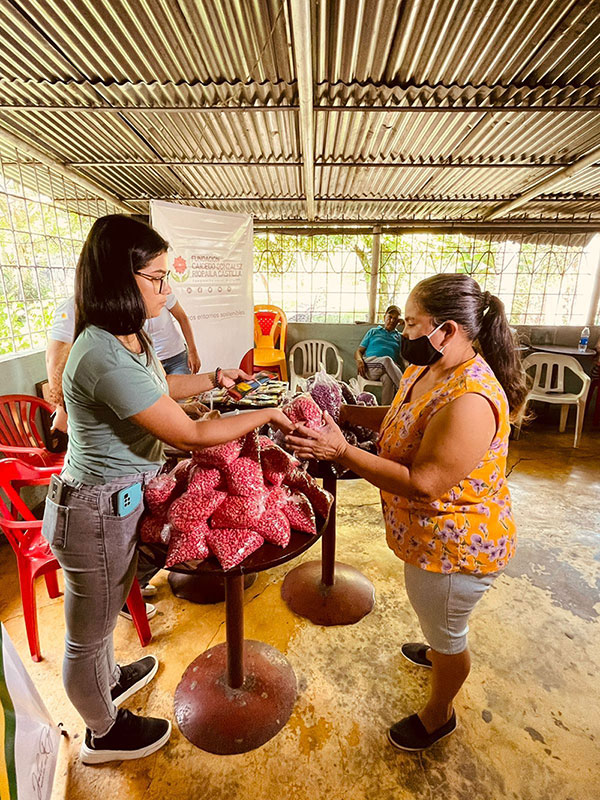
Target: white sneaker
x,y
125,612
149,590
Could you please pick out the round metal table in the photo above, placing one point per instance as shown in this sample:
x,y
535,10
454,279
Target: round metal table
x,y
236,696
328,592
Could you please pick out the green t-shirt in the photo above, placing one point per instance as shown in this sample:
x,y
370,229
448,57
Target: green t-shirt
x,y
104,384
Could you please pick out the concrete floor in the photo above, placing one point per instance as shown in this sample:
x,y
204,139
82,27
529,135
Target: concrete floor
x,y
529,724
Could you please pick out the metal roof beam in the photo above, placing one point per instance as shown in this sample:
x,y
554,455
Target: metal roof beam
x,y
543,186
95,189
301,33
415,225
280,162
259,199
414,109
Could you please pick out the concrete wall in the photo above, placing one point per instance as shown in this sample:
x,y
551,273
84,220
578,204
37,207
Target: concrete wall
x,y
19,374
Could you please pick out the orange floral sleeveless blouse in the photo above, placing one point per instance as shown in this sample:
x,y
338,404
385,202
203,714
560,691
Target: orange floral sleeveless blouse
x,y
471,527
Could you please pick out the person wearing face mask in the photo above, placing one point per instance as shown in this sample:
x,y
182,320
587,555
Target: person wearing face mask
x,y
378,355
441,469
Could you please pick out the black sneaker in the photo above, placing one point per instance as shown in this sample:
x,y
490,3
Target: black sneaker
x,y
410,733
415,653
130,737
133,677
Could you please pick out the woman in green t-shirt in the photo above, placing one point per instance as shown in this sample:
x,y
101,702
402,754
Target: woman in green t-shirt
x,y
121,409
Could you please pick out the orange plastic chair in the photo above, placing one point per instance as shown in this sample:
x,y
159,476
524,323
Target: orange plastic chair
x,y
34,557
270,335
19,433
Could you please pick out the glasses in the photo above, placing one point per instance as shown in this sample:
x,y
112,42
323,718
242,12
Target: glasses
x,y
161,281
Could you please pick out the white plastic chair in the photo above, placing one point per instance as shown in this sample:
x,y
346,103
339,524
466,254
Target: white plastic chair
x,y
363,382
549,387
313,355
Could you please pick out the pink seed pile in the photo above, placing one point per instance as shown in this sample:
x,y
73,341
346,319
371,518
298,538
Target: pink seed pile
x,y
304,409
229,499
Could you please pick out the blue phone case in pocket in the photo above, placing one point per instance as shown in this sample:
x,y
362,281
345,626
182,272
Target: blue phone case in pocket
x,y
128,499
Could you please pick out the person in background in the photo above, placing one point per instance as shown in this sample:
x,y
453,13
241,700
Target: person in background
x,y
121,408
178,354
378,355
441,469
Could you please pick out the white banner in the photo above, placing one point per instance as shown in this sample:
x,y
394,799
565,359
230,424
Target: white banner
x,y
29,738
211,263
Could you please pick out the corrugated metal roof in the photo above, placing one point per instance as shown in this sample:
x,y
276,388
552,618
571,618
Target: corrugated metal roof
x,y
198,102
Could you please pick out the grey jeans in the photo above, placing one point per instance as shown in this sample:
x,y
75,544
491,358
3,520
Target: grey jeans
x,y
98,556
386,370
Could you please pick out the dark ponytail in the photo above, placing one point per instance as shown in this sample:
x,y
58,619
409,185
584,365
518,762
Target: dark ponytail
x,y
497,344
481,315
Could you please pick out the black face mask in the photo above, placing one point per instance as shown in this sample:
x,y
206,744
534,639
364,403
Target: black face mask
x,y
420,351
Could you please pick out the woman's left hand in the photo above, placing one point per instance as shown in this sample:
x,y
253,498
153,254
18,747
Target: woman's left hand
x,y
230,376
325,444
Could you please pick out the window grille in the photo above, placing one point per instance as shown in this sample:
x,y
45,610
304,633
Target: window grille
x,y
543,279
44,219
314,278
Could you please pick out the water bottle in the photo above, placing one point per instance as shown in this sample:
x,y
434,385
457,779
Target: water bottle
x,y
584,339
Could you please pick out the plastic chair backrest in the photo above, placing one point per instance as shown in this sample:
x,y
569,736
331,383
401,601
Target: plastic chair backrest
x,y
14,513
314,355
18,426
270,327
549,371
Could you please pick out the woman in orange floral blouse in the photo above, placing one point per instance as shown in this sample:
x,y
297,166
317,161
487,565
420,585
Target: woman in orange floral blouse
x,y
441,469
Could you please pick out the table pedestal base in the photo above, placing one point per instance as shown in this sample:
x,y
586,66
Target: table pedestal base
x,y
205,588
223,720
349,599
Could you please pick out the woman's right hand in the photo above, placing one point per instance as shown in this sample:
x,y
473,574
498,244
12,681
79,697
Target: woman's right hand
x,y
281,422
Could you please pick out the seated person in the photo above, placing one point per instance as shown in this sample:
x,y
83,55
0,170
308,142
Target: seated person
x,y
378,355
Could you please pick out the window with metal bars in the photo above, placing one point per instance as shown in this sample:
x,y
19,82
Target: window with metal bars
x,y
44,219
542,279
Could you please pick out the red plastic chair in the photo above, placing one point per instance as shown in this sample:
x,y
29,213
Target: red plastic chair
x,y
19,433
34,557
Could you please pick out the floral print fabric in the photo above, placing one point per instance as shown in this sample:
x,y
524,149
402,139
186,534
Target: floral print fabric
x,y
471,527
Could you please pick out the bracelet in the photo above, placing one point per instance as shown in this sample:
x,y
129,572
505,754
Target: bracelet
x,y
217,376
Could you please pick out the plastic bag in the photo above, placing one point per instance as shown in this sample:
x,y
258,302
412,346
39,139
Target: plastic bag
x,y
240,512
277,465
190,546
231,547
165,487
193,508
325,391
320,499
220,455
244,477
274,527
304,409
299,512
366,399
